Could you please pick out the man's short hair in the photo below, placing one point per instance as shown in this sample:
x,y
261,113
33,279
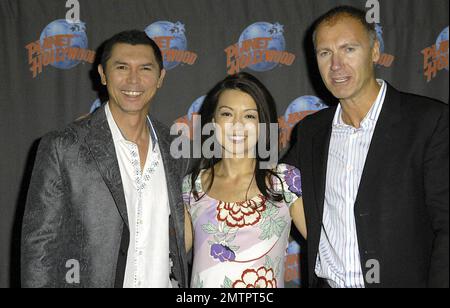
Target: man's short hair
x,y
132,37
346,11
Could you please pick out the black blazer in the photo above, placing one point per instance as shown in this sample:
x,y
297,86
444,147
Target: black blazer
x,y
402,206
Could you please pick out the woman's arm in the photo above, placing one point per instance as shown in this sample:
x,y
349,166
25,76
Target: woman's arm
x,y
188,235
298,216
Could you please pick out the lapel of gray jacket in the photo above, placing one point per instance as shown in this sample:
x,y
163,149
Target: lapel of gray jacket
x,y
101,145
173,173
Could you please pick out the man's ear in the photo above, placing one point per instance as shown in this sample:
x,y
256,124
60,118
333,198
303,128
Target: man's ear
x,y
161,78
376,53
102,74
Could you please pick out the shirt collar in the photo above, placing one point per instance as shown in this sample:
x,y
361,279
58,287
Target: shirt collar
x,y
117,134
373,113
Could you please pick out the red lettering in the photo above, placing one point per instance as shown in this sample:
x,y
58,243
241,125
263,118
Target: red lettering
x,y
163,41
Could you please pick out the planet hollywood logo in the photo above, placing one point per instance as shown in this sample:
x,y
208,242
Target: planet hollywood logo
x,y
297,111
95,105
62,44
261,47
292,264
172,41
386,59
436,56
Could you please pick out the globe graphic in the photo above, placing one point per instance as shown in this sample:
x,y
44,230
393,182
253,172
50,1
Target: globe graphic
x,y
61,26
443,36
304,103
265,30
379,30
196,106
95,105
294,249
168,29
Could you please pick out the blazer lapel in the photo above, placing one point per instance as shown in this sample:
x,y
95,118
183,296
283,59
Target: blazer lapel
x,y
320,146
101,145
174,187
382,139
173,177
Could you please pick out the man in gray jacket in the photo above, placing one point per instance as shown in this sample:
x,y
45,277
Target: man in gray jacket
x,y
104,207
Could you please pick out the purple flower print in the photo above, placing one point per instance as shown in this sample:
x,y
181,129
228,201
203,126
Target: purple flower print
x,y
223,253
293,180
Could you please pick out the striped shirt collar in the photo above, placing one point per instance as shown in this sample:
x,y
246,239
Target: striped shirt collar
x,y
372,115
117,134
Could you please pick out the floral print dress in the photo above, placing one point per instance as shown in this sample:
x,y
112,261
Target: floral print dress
x,y
243,244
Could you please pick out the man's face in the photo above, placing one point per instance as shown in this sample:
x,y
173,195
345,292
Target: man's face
x,y
132,77
346,58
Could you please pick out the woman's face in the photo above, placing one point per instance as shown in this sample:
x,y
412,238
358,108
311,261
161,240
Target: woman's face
x,y
236,119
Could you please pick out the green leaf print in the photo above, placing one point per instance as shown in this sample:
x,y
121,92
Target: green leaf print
x,y
209,228
234,248
226,229
288,196
187,185
265,235
198,187
272,227
231,238
227,283
271,211
269,263
197,283
220,237
278,265
280,225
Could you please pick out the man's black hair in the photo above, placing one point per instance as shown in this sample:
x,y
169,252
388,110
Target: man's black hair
x,y
132,37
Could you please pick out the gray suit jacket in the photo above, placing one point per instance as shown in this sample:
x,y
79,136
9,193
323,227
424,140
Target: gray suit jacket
x,y
76,212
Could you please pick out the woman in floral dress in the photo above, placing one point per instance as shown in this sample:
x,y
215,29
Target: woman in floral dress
x,y
240,210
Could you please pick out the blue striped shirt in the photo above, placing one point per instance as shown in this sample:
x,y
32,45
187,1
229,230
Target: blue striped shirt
x,y
338,259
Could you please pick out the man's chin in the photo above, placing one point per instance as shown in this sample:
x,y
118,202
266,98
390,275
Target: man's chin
x,y
137,107
340,94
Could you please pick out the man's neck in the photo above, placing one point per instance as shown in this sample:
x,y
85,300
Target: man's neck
x,y
235,167
133,126
354,110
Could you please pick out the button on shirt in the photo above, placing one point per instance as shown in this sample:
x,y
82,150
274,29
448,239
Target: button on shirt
x,y
148,211
338,260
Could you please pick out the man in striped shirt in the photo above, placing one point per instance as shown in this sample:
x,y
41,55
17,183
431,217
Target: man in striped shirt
x,y
374,168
